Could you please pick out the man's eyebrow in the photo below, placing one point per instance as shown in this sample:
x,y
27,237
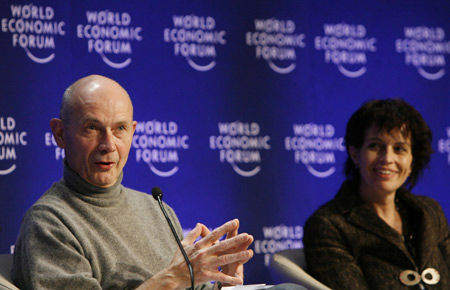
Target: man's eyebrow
x,y
89,119
122,123
97,122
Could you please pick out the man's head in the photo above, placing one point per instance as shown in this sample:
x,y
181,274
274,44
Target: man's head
x,y
95,129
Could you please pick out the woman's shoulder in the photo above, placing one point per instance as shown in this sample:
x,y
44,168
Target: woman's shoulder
x,y
419,200
345,200
326,216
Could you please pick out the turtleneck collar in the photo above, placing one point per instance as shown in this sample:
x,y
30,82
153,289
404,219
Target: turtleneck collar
x,y
98,195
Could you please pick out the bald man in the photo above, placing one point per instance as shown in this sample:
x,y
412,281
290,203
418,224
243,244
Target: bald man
x,y
88,231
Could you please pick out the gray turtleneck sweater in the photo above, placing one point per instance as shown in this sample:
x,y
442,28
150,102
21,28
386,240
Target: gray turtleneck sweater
x,y
78,236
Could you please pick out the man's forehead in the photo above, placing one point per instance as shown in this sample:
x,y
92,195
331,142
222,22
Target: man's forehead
x,y
118,119
93,87
99,96
97,111
94,81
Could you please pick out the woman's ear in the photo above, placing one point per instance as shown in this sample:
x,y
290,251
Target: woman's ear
x,y
354,155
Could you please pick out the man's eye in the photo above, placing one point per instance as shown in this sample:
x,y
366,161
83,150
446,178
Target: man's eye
x,y
91,127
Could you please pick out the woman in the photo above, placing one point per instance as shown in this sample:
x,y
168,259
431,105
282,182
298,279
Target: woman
x,y
375,234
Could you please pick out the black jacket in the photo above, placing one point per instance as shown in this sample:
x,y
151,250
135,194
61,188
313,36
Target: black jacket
x,y
347,246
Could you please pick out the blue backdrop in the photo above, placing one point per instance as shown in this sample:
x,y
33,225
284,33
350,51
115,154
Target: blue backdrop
x,y
241,105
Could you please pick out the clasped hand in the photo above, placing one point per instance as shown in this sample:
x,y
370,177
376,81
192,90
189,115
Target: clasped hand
x,y
208,254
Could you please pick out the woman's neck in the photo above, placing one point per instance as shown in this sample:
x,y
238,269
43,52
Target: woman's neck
x,y
384,206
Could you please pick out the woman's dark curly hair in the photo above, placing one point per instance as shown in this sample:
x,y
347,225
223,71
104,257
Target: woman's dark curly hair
x,y
387,115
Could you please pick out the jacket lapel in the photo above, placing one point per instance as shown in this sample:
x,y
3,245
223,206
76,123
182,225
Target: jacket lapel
x,y
360,215
425,226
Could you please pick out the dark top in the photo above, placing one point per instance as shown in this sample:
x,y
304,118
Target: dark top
x,y
347,246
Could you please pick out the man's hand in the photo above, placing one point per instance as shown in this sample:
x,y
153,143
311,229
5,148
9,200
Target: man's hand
x,y
235,269
206,256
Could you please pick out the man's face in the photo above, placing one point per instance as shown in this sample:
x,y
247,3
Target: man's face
x,y
99,132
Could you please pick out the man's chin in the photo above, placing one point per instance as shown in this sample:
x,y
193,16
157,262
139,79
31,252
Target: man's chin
x,y
103,182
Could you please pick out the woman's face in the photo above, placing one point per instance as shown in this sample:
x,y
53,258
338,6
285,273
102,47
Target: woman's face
x,y
384,161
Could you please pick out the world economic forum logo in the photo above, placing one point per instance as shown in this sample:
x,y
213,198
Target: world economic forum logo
x,y
444,145
425,49
34,29
314,145
49,141
278,238
158,144
276,42
10,140
346,46
240,144
195,38
110,35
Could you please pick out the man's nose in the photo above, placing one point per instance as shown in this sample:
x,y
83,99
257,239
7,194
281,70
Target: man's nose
x,y
107,142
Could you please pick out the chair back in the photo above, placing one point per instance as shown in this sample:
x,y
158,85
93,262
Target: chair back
x,y
289,266
6,262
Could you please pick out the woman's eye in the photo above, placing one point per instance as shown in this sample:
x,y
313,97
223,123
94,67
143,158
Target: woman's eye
x,y
401,149
373,145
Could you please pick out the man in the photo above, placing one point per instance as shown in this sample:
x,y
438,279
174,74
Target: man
x,y
90,232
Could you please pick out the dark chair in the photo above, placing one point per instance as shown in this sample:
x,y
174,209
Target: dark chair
x,y
6,283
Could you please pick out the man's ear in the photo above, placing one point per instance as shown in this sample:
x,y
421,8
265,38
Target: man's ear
x,y
58,129
134,126
354,155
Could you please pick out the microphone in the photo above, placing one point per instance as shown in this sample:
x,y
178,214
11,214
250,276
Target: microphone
x,y
157,194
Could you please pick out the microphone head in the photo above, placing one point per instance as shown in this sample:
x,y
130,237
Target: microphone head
x,y
157,193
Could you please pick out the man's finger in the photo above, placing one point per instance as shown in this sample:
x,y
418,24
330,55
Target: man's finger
x,y
219,232
233,245
226,279
240,257
205,232
234,232
194,234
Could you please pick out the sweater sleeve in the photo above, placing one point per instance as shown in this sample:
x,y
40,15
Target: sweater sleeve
x,y
328,256
176,223
48,256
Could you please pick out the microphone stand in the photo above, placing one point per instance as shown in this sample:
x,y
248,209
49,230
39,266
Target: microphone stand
x,y
157,194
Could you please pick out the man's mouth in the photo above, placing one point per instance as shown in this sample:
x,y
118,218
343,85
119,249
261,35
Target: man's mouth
x,y
105,165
